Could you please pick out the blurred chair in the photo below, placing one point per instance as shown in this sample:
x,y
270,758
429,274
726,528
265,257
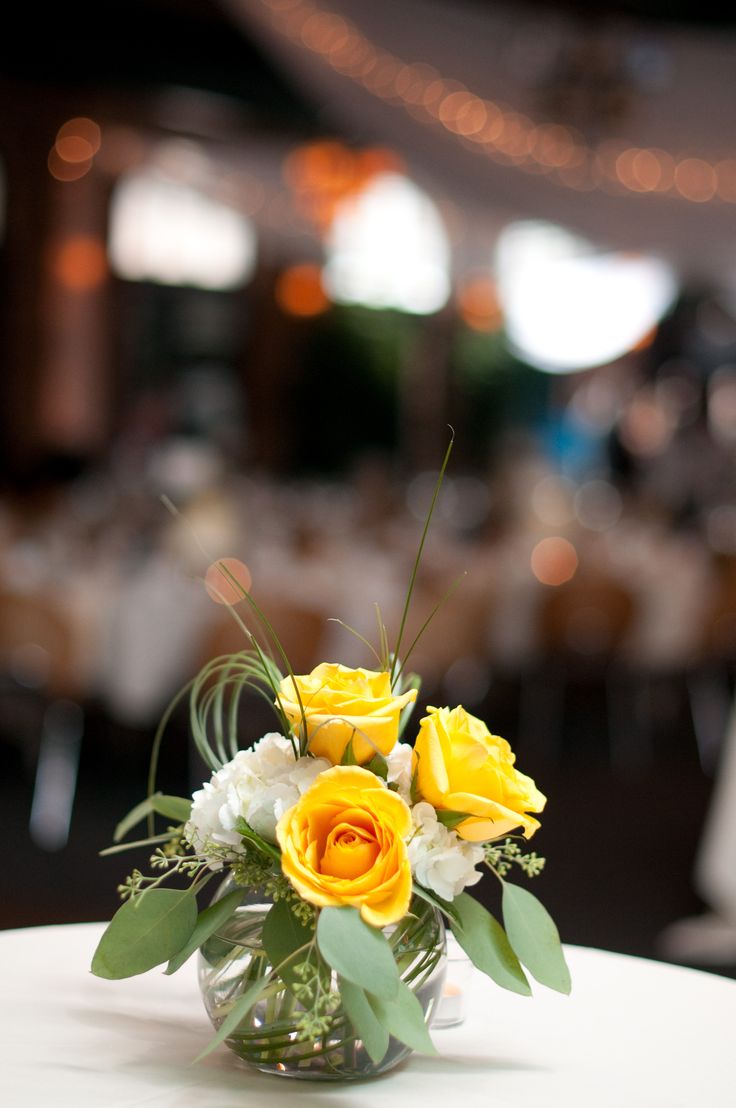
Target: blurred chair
x,y
581,627
453,655
299,628
41,698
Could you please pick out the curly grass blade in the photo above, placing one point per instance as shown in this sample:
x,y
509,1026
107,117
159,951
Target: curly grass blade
x,y
156,747
363,639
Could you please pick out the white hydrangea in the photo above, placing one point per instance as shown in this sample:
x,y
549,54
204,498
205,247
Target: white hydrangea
x,y
258,785
440,860
399,770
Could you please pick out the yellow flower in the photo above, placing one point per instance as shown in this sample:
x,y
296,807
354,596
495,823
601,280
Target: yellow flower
x,y
341,704
343,844
461,767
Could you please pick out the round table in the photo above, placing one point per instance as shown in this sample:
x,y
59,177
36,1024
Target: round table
x,y
633,1034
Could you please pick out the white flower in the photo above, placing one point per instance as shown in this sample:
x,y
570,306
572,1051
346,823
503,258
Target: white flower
x,y
399,770
258,785
439,858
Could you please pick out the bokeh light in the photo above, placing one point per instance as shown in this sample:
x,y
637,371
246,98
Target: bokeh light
x,y
477,303
299,290
62,170
227,580
554,561
79,263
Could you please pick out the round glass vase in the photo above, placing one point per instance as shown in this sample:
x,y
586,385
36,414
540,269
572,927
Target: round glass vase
x,y
268,1037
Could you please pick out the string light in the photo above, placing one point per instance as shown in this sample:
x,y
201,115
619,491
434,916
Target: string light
x,y
77,142
495,130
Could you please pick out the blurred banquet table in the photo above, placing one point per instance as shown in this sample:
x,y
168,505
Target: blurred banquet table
x,y
634,1034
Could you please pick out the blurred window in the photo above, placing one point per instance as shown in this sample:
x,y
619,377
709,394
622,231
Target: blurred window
x,y
570,306
388,248
171,232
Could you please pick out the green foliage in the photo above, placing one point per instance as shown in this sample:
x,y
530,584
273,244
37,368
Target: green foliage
x,y
238,1012
208,921
484,941
173,807
146,931
366,1023
501,857
379,766
450,819
284,936
357,952
395,672
407,681
535,939
215,696
445,906
263,846
348,754
404,1019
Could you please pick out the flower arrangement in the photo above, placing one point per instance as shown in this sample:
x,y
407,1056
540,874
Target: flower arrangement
x,y
344,850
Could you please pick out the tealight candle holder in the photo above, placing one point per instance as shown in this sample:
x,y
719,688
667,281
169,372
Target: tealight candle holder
x,y
451,1006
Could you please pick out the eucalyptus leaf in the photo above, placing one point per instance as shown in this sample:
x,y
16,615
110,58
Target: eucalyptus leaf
x,y
484,941
173,807
404,1019
208,921
366,1024
283,935
144,932
357,952
534,937
445,906
239,1010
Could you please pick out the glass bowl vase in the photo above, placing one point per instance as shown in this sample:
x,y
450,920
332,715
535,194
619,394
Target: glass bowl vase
x,y
269,1036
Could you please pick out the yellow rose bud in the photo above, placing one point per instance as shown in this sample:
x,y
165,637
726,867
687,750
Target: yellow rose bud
x,y
343,843
341,704
461,767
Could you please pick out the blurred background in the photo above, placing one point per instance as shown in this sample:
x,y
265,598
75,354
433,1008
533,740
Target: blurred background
x,y
256,256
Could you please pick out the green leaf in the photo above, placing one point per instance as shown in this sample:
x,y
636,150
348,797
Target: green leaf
x,y
412,682
436,901
348,754
450,819
173,807
404,1019
416,796
534,937
284,935
484,941
366,1024
379,766
357,952
144,932
246,831
208,921
239,1010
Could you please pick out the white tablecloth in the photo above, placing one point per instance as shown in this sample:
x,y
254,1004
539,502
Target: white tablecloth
x,y
634,1034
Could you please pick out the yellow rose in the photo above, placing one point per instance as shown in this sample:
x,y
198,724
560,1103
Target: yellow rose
x,y
461,767
343,843
341,704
